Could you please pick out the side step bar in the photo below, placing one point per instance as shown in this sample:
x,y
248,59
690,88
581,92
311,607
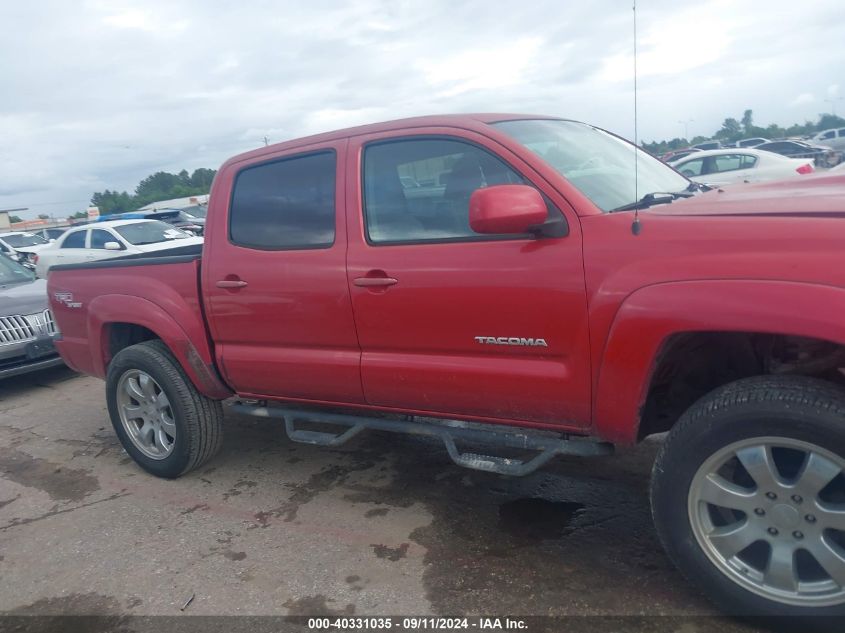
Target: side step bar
x,y
548,444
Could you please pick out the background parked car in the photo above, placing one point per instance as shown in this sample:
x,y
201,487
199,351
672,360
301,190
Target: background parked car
x,y
834,138
190,219
22,246
707,145
821,156
115,238
53,233
751,142
678,154
725,166
27,328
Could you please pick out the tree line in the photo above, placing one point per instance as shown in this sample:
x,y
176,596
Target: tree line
x,y
159,186
733,130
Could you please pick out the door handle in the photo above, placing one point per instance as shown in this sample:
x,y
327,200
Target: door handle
x,y
374,282
231,283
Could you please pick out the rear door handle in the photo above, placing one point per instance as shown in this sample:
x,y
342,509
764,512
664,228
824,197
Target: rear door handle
x,y
232,283
374,282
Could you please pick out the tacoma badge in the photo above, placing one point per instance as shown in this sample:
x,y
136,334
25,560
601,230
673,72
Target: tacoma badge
x,y
511,340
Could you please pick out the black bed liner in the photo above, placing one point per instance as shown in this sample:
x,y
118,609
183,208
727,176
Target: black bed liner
x,y
176,255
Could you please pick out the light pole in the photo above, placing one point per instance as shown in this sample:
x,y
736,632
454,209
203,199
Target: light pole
x,y
686,127
832,101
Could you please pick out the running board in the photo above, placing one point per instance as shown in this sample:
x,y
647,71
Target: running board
x,y
548,444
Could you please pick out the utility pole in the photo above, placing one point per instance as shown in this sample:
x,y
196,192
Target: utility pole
x,y
266,141
832,101
686,127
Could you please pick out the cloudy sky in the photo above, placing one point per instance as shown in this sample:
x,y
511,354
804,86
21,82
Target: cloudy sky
x,y
98,94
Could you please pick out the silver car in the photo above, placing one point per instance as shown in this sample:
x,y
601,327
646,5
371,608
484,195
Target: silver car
x,y
834,138
27,329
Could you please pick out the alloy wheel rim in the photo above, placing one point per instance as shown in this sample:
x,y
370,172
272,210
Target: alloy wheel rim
x,y
146,414
769,512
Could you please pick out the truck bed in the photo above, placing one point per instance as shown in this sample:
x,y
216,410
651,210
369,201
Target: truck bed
x,y
174,255
94,304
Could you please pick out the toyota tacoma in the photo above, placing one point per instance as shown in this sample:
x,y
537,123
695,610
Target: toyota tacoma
x,y
532,285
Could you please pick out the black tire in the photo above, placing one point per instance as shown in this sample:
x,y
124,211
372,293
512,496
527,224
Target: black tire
x,y
793,407
198,419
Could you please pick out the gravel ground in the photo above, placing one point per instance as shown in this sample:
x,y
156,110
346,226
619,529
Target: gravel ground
x,y
384,525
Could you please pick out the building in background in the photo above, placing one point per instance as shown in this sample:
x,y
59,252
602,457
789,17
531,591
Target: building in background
x,y
176,203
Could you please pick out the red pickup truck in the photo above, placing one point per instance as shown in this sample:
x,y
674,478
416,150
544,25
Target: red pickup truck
x,y
534,285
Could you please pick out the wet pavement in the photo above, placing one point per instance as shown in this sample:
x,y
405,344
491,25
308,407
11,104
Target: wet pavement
x,y
384,525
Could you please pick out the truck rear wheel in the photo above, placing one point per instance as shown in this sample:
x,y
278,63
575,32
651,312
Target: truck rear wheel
x,y
748,496
162,421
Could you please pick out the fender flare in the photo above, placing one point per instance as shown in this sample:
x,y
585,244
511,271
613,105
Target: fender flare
x,y
194,356
648,317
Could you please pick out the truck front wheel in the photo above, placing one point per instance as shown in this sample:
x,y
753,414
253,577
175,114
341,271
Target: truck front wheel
x,y
748,496
162,421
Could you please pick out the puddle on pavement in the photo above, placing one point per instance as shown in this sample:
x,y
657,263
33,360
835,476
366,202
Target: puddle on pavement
x,y
57,480
537,519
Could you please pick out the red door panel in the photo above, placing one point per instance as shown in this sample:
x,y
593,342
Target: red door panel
x,y
289,332
419,333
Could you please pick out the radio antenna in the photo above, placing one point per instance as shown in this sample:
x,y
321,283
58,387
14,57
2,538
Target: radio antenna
x,y
635,227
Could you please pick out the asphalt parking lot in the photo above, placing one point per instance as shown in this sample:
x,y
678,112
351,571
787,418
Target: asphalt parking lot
x,y
384,525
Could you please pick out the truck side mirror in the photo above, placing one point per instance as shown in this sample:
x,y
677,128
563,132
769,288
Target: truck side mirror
x,y
112,246
506,209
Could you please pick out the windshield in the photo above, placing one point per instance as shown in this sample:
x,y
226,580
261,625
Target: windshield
x,y
152,232
23,239
12,272
196,211
598,164
165,217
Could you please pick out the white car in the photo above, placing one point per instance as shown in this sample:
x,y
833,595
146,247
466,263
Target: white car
x,y
750,142
114,238
834,138
22,246
726,166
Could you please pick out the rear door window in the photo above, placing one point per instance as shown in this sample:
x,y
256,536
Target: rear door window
x,y
728,162
99,237
286,204
75,240
748,161
692,168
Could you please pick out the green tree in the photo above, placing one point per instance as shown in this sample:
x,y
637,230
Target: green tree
x,y
155,187
747,121
110,202
202,177
827,121
731,130
160,182
14,218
